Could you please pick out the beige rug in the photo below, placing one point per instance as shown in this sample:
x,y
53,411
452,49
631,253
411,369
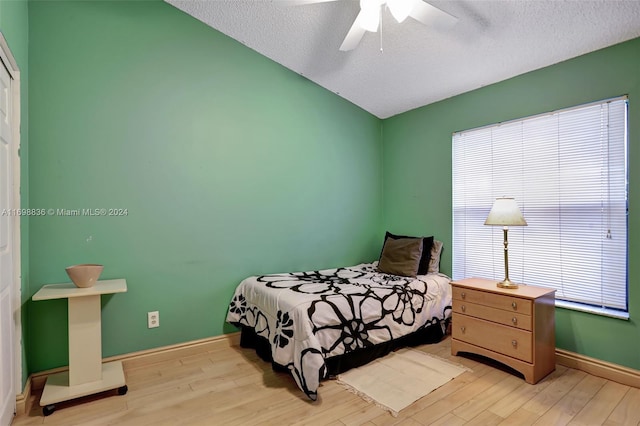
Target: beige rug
x,y
400,378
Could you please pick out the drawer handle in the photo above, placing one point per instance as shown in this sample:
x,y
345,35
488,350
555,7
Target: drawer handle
x,y
464,308
514,320
463,294
463,329
514,343
514,305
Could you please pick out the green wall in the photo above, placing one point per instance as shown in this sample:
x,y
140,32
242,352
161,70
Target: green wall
x,y
14,26
229,165
417,171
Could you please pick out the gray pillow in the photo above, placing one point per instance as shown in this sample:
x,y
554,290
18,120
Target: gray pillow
x,y
436,251
401,256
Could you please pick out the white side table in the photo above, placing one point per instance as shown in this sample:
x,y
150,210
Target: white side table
x,y
87,374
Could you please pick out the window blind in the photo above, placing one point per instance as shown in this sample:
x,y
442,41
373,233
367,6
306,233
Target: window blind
x,y
567,171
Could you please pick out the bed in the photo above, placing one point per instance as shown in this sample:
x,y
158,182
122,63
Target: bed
x,y
318,324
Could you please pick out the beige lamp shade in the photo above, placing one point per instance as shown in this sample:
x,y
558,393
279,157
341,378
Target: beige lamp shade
x,y
505,212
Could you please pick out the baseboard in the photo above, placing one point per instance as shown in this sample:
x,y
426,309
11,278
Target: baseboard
x,y
164,353
36,381
614,372
23,399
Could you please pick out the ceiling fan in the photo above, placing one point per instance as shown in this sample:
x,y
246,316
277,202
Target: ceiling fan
x,y
371,11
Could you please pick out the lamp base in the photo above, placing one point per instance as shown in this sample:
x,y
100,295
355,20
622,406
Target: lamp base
x,y
507,283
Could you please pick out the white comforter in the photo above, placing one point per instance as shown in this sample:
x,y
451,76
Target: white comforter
x,y
310,316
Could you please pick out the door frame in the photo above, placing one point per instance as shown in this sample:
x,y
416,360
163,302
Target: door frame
x,y
9,62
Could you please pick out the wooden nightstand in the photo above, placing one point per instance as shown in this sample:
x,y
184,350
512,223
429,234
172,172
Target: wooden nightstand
x,y
515,327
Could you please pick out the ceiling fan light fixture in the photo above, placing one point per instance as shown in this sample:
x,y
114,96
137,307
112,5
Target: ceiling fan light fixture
x,y
370,16
400,9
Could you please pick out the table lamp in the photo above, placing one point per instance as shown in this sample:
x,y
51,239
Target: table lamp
x,y
505,213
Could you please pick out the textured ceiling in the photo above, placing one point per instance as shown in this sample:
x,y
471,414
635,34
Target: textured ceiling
x,y
493,40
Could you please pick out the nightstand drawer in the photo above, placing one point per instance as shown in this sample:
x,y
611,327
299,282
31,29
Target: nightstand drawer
x,y
495,337
501,316
498,301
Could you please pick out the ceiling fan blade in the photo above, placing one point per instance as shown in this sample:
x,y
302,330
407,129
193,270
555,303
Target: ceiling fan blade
x,y
431,15
369,16
353,36
400,9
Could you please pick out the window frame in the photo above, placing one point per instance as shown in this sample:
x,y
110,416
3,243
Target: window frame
x,y
567,304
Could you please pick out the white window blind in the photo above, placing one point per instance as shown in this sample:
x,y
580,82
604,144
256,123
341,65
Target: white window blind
x,y
567,171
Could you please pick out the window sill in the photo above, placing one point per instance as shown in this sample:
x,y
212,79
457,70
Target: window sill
x,y
592,309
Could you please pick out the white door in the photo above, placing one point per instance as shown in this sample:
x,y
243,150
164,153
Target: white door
x,y
7,344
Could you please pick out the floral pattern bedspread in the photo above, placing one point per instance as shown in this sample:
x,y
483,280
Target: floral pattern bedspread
x,y
310,316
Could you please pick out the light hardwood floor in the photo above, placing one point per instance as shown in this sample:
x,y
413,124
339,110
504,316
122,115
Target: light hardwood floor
x,y
222,385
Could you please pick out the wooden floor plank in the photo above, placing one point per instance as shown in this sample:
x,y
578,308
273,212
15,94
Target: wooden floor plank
x,y
546,399
449,419
365,415
520,417
485,418
483,401
602,405
458,398
575,400
627,412
222,384
523,393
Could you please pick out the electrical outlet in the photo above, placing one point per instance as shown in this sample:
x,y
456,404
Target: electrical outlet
x,y
153,319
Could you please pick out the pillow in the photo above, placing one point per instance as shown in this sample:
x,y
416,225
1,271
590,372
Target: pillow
x,y
401,256
436,251
427,242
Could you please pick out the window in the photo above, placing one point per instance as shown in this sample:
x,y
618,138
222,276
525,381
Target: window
x,y
567,171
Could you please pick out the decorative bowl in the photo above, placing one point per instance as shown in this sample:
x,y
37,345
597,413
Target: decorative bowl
x,y
84,275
